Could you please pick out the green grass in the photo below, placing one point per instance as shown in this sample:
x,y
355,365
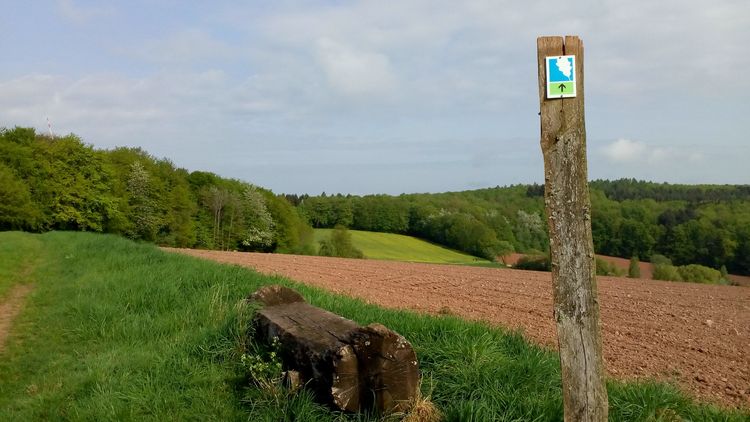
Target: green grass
x,y
115,330
397,247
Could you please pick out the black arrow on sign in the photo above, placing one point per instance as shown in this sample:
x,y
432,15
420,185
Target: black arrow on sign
x,y
562,87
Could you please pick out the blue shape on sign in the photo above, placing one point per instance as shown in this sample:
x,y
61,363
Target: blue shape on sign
x,y
560,69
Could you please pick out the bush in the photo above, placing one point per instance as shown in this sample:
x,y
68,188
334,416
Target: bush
x,y
533,263
657,259
692,273
666,272
340,244
699,274
606,268
634,269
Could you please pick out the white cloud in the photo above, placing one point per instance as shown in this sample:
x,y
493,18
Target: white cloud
x,y
183,47
695,157
81,14
355,72
625,150
660,155
637,152
98,106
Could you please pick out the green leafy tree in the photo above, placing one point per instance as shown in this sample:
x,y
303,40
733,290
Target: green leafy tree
x,y
73,187
180,220
145,221
17,209
318,211
291,232
635,238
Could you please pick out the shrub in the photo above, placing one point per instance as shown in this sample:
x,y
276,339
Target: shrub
x,y
340,244
657,259
699,274
666,272
634,269
607,268
533,263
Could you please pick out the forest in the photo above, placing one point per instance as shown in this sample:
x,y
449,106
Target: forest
x,y
64,184
689,224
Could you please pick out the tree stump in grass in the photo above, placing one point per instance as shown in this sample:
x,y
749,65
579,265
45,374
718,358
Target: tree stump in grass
x,y
345,365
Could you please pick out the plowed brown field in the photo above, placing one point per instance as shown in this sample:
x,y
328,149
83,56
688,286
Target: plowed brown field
x,y
697,336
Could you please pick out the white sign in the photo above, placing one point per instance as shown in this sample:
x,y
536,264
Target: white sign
x,y
561,76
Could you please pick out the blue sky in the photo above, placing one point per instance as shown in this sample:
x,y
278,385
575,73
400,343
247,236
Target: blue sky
x,y
382,97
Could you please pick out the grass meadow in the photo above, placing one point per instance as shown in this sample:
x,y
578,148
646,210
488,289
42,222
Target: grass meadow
x,y
398,247
115,330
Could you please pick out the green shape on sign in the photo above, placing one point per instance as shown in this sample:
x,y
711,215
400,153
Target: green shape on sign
x,y
560,88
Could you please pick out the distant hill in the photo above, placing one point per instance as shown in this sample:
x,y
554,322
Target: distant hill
x,y
398,247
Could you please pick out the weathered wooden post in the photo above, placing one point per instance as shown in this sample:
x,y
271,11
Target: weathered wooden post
x,y
566,198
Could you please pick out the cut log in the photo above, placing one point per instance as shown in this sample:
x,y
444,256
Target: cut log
x,y
349,367
389,367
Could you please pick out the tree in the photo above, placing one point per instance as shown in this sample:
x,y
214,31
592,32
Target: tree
x,y
634,269
291,233
318,211
145,222
180,218
635,239
215,199
259,231
73,188
234,210
17,210
529,231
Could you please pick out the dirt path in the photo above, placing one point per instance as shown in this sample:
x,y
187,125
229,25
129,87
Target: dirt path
x,y
9,308
695,335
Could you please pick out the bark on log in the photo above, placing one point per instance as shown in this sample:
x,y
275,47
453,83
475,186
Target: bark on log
x,y
350,367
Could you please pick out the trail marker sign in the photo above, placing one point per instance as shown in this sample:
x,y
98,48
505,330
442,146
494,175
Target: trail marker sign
x,y
561,76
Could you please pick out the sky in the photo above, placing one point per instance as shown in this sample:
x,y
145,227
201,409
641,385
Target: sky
x,y
369,97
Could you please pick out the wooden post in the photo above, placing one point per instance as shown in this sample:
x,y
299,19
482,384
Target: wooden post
x,y
568,206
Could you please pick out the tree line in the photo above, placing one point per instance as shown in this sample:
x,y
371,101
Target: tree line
x,y
706,225
63,184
